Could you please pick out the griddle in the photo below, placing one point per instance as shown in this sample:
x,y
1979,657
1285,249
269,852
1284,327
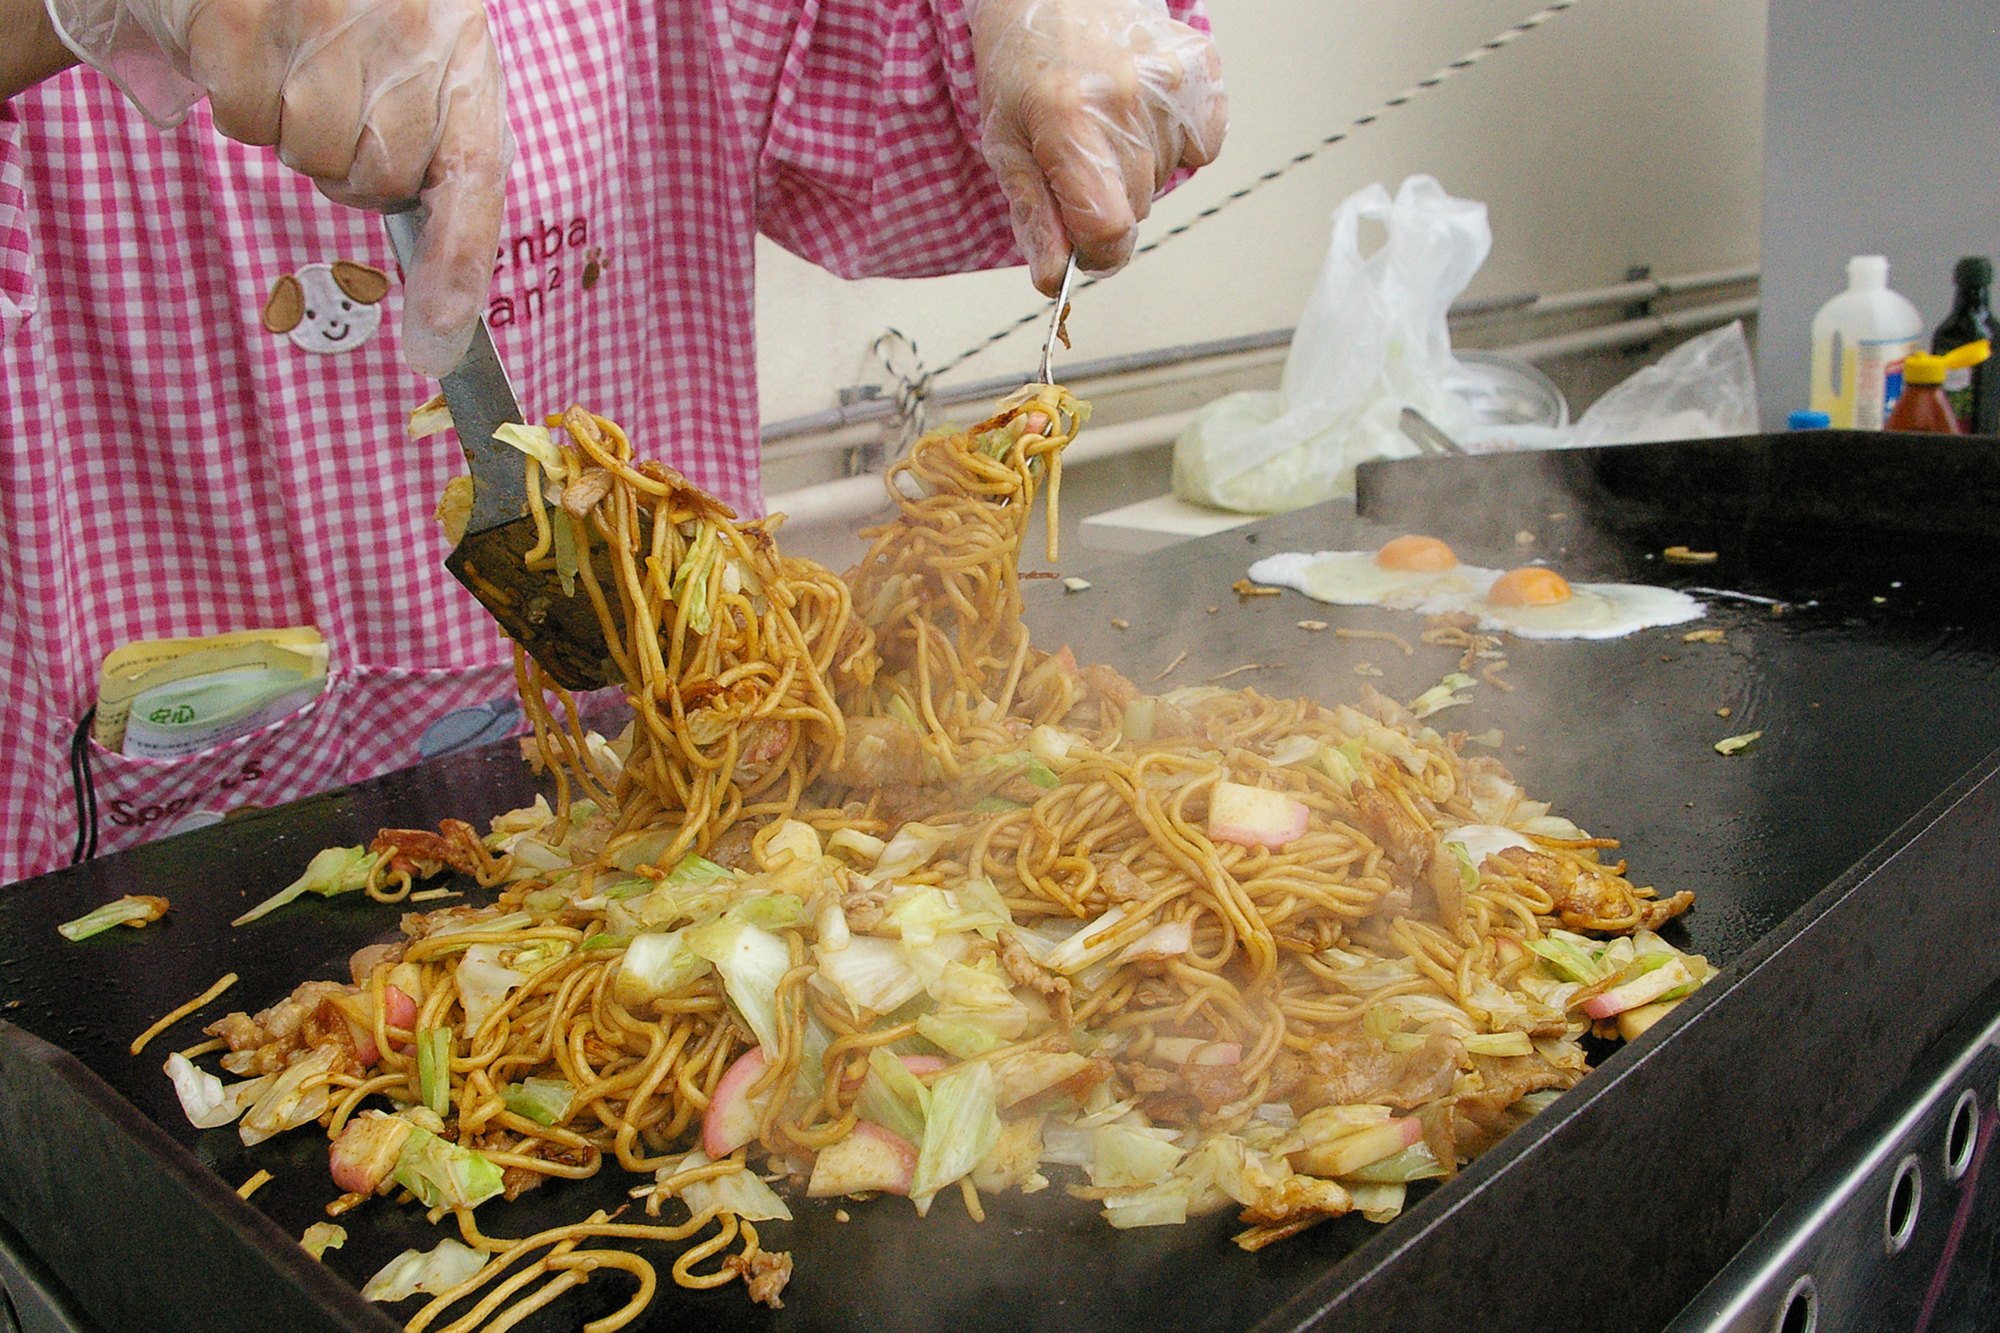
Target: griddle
x,y
1843,867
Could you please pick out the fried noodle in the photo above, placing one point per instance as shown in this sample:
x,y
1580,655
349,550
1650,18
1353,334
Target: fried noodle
x,y
1068,937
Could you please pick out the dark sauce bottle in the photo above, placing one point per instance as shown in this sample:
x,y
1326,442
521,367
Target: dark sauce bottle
x,y
1974,393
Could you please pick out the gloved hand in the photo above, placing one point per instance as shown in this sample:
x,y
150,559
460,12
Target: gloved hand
x,y
1086,108
381,102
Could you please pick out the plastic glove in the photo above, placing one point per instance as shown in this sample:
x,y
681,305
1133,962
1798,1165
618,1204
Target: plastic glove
x,y
1086,108
382,102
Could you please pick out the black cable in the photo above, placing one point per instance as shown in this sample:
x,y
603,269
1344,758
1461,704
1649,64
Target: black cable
x,y
83,786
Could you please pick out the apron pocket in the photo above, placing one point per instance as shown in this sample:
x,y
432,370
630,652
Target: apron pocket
x,y
123,801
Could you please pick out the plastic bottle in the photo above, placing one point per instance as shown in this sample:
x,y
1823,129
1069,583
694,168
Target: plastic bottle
x,y
1924,405
1974,392
1859,340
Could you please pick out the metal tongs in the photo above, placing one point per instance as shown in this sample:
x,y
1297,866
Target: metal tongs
x,y
561,631
1424,433
1056,322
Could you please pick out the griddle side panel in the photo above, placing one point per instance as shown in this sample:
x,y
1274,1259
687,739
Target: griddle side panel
x,y
95,1188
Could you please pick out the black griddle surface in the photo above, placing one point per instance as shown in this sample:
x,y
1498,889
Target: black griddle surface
x,y
1874,688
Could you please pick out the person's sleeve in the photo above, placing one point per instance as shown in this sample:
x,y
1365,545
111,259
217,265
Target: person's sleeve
x,y
17,284
869,161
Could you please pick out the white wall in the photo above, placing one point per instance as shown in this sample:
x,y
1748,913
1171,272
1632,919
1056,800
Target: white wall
x,y
1623,132
1889,155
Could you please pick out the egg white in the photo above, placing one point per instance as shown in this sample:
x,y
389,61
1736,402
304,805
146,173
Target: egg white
x,y
1593,611
1353,578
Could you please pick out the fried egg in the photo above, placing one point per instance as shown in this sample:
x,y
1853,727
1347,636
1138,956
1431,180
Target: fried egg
x,y
1406,573
1535,602
1423,574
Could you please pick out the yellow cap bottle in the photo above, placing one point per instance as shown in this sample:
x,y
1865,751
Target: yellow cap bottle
x,y
1923,368
1923,406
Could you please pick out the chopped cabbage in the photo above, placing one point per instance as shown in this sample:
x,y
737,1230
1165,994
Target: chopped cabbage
x,y
510,828
795,838
870,973
1140,715
1161,1205
498,925
536,443
961,1128
129,910
1468,873
1415,1162
562,540
434,1069
1498,1043
1570,957
1293,750
739,1192
484,982
1345,764
414,1271
923,912
1128,1156
656,965
960,1036
977,894
913,845
439,1171
751,962
693,572
205,1100
979,995
1095,941
864,847
321,1237
831,926
1378,1203
774,911
542,1100
1051,746
1358,972
892,1097
1550,826
335,870
642,849
1445,694
287,1103
534,859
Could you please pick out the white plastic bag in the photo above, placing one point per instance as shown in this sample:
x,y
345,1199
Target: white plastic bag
x,y
1371,342
1705,387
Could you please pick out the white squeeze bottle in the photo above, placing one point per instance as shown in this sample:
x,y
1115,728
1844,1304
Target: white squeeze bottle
x,y
1859,340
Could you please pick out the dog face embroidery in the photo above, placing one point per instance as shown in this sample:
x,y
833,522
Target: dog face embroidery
x,y
328,307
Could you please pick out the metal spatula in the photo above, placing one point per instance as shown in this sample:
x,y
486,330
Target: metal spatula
x,y
1056,321
561,631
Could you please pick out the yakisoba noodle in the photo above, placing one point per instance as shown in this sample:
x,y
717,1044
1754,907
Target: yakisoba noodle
x,y
728,650
876,896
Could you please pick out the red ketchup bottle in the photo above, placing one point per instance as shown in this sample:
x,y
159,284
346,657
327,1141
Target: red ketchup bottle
x,y
1924,406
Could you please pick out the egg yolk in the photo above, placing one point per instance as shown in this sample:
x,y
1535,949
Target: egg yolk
x,y
1424,554
1531,585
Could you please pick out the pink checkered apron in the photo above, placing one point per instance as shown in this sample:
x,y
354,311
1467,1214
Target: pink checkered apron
x,y
175,467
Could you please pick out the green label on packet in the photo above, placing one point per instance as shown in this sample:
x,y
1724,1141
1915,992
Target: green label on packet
x,y
135,668
182,717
